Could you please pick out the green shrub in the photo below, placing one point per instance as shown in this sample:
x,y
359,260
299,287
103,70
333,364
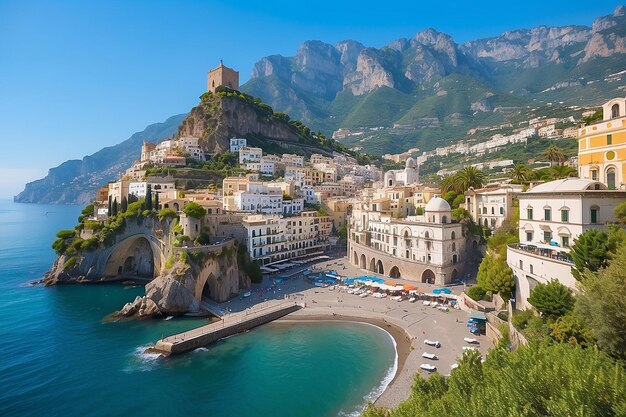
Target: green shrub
x,y
66,234
167,213
184,257
503,315
170,262
70,262
93,225
520,319
195,210
89,244
476,293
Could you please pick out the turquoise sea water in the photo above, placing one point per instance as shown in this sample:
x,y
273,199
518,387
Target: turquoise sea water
x,y
59,359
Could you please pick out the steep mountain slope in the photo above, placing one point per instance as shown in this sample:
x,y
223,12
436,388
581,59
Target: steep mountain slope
x,y
76,181
428,86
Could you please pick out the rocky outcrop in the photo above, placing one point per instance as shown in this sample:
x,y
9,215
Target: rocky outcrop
x,y
180,288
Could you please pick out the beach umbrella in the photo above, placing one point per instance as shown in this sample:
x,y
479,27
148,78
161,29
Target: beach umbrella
x,y
390,283
408,287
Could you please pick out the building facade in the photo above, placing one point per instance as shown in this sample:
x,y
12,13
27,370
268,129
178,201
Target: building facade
x,y
492,206
222,76
602,147
429,248
552,216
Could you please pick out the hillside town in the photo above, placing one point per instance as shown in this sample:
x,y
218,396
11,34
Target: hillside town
x,y
288,208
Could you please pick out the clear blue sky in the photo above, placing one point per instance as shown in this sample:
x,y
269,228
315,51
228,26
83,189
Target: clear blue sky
x,y
76,76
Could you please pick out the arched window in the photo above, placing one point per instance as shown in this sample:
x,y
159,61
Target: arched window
x,y
444,219
501,210
614,111
493,210
453,246
426,234
610,178
484,210
453,235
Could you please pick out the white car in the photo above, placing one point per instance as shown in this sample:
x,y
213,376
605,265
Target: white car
x,y
454,365
470,340
434,343
428,367
412,299
363,295
429,355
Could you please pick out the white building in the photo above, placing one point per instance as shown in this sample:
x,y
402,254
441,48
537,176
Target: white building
x,y
237,143
191,147
552,215
293,160
428,248
492,206
267,166
250,154
272,239
407,176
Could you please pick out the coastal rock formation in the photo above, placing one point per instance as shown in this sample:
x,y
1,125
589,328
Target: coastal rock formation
x,y
143,248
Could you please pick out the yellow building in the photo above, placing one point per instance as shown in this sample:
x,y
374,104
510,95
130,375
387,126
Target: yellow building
x,y
602,146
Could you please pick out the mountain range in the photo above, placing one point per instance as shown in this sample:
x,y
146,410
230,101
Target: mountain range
x,y
427,90
420,92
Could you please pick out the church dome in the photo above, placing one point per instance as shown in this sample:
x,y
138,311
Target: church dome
x,y
410,163
437,204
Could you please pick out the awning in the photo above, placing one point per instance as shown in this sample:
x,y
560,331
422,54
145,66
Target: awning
x,y
477,315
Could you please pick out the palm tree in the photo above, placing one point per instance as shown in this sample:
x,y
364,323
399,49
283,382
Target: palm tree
x,y
521,173
469,177
447,184
555,154
559,172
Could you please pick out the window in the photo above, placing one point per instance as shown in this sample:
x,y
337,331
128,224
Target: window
x,y
521,264
609,139
529,236
529,213
565,216
493,210
547,214
565,241
444,219
594,174
501,211
614,111
484,210
594,215
532,270
453,235
453,246
610,178
547,237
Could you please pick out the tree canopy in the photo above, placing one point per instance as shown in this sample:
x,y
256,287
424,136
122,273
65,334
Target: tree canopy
x,y
590,251
552,300
555,155
601,305
195,210
468,177
495,276
538,380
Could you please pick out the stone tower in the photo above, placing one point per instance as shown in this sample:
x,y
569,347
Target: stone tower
x,y
222,75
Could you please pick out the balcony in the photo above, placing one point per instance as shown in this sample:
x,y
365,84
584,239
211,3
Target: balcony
x,y
555,253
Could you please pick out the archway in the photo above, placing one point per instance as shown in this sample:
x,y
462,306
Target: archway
x,y
373,265
614,111
363,264
395,272
428,277
133,257
610,178
454,274
379,267
355,259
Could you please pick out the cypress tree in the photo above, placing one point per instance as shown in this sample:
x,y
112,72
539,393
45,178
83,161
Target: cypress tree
x,y
110,206
124,204
149,197
114,207
156,200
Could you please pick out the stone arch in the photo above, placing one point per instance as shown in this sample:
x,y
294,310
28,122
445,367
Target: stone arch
x,y
614,111
395,272
355,259
137,256
380,267
454,274
428,277
372,265
610,177
363,263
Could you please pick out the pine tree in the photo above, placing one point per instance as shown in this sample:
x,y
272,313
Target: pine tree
x,y
114,208
124,204
156,200
110,205
552,300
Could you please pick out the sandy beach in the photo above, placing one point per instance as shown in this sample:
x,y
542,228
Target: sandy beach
x,y
408,323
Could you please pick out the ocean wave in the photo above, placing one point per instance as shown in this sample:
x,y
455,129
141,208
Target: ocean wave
x,y
200,349
143,361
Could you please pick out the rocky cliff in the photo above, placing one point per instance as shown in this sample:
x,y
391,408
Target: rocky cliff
x,y
140,246
350,86
76,181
